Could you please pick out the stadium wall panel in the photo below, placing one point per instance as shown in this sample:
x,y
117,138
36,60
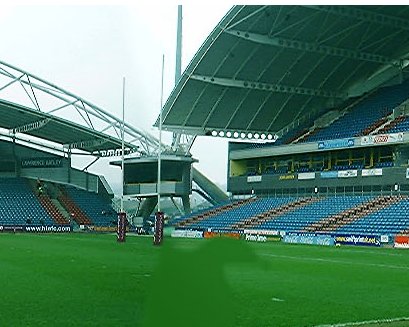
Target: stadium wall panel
x,y
276,183
84,180
58,174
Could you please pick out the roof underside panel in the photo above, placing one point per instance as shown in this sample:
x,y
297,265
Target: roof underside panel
x,y
270,106
264,67
226,107
221,54
186,102
249,107
208,99
54,129
266,60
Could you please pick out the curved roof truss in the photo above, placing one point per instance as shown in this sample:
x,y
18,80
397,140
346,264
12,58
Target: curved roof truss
x,y
264,69
41,109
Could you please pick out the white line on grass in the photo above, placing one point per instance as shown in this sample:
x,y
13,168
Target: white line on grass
x,y
375,251
276,299
336,261
362,323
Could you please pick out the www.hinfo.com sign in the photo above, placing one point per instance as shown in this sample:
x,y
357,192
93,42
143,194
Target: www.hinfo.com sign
x,y
36,228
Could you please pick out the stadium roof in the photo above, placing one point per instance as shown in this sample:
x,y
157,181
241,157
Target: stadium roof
x,y
33,107
19,119
264,68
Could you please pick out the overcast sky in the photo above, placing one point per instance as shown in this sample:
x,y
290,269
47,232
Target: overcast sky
x,y
87,49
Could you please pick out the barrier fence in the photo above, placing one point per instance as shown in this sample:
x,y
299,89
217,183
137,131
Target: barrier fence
x,y
363,240
254,235
36,228
401,242
313,239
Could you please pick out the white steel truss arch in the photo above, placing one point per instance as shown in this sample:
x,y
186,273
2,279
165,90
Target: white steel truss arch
x,y
93,117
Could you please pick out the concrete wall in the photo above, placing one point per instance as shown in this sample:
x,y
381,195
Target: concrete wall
x,y
62,173
290,183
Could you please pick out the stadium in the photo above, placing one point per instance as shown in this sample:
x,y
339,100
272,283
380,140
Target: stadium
x,y
312,229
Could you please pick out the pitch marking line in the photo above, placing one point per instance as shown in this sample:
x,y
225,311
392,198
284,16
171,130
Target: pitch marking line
x,y
361,323
276,299
337,261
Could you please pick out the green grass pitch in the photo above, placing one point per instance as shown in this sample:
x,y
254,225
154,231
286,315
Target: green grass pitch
x,y
90,280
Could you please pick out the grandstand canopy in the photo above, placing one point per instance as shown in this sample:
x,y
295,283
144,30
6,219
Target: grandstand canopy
x,y
264,68
32,122
33,109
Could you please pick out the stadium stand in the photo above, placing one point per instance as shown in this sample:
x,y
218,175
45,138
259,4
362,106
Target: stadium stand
x,y
353,214
399,124
42,191
52,210
98,211
366,116
313,211
369,116
76,213
259,219
205,214
228,218
300,213
391,219
317,97
23,201
348,216
19,205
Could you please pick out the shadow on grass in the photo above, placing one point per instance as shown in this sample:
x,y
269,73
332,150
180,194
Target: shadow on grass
x,y
189,287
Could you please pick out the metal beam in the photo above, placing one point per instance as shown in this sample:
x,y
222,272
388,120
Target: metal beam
x,y
279,88
189,143
240,68
71,99
376,80
251,14
90,164
379,77
16,79
182,142
312,47
113,152
336,66
233,115
279,82
268,66
217,68
307,75
85,144
232,14
33,143
215,71
364,15
30,126
284,26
